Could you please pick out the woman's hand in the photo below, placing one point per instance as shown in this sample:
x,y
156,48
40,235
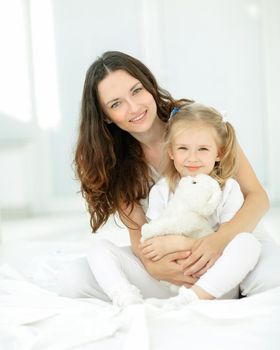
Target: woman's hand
x,y
205,252
168,269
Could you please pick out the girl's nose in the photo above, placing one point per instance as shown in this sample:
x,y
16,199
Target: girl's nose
x,y
192,156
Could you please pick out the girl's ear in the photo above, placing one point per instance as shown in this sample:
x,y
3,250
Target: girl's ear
x,y
170,153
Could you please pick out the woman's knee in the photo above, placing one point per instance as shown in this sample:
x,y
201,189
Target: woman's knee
x,y
100,245
99,249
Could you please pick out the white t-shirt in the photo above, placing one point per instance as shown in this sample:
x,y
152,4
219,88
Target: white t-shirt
x,y
155,176
231,201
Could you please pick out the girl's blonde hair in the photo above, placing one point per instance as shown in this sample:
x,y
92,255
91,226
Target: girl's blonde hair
x,y
185,117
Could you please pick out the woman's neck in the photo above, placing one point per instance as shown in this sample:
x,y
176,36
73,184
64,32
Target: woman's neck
x,y
152,143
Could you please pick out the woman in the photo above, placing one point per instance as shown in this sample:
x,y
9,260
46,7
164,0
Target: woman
x,y
123,119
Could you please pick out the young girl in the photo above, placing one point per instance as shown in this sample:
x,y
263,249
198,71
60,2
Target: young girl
x,y
199,141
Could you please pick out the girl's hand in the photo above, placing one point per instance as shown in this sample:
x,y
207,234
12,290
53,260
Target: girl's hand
x,y
167,269
205,252
157,247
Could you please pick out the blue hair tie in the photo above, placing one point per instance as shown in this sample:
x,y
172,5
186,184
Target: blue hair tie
x,y
174,111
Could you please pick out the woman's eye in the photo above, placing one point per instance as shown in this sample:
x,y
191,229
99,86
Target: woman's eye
x,y
135,91
115,104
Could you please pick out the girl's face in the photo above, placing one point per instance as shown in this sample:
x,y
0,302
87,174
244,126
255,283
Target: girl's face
x,y
126,102
194,150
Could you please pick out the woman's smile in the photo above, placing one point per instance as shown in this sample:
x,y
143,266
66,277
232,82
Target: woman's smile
x,y
138,118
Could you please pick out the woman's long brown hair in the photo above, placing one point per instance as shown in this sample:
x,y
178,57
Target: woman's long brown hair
x,y
109,162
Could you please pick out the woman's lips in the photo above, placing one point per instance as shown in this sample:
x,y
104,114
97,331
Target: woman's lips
x,y
138,118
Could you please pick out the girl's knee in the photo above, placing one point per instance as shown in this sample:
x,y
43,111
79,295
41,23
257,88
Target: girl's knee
x,y
265,275
246,245
247,241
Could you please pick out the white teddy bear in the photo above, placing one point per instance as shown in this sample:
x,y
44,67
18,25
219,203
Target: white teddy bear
x,y
195,199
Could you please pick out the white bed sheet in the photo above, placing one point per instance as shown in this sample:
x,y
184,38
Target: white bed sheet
x,y
32,318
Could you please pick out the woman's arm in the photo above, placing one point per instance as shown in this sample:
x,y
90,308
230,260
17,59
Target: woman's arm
x,y
207,250
167,268
256,201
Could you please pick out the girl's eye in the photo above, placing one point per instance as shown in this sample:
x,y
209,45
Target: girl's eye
x,y
203,149
115,104
182,148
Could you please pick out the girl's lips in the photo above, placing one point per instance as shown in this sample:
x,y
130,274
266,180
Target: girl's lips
x,y
192,168
138,118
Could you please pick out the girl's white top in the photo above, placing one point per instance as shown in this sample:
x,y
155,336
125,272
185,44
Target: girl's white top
x,y
231,201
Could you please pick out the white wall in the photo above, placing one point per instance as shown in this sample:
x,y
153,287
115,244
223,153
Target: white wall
x,y
271,127
224,53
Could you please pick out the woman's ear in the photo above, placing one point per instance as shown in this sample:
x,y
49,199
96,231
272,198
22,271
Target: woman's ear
x,y
107,120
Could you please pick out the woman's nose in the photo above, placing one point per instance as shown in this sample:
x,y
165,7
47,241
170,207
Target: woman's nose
x,y
132,106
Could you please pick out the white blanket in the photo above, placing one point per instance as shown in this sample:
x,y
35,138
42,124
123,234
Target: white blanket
x,y
32,318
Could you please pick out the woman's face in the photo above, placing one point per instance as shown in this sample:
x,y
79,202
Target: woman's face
x,y
126,102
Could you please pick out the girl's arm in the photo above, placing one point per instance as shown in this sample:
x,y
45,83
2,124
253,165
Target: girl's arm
x,y
167,268
208,249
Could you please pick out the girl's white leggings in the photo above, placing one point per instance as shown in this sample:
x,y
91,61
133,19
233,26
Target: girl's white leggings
x,y
108,267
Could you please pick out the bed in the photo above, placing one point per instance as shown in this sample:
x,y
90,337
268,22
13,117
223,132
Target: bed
x,y
32,318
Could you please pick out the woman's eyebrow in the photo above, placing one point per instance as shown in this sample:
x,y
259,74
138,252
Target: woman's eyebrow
x,y
116,99
134,86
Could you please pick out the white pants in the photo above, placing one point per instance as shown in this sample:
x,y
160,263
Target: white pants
x,y
238,259
108,264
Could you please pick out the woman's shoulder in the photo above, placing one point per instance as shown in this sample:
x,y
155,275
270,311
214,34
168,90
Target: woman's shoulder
x,y
161,185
